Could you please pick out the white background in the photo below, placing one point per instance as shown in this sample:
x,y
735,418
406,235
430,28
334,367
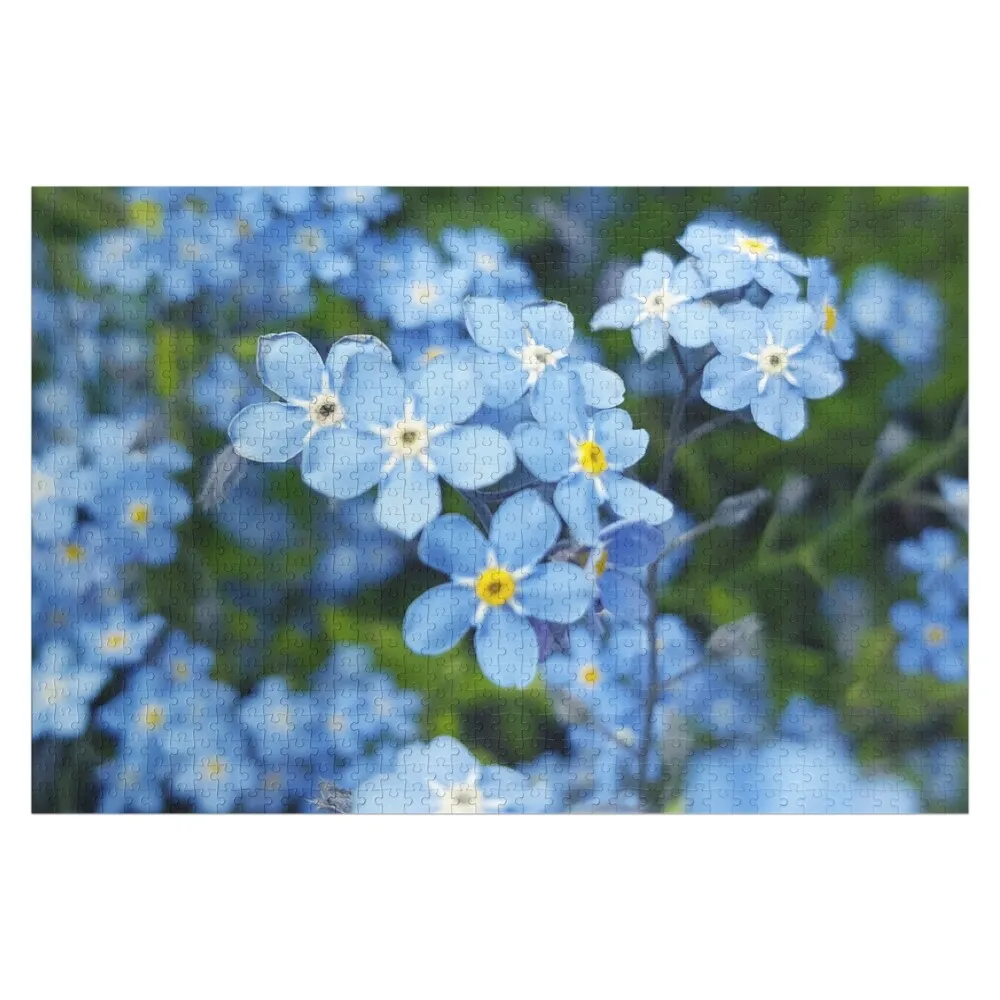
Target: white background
x,y
511,94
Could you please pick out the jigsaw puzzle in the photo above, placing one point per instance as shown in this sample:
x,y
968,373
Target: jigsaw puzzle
x,y
357,500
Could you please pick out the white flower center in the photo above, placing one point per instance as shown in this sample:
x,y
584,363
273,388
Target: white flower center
x,y
43,486
659,303
462,797
325,410
54,691
308,240
189,251
535,357
773,360
409,438
424,293
753,246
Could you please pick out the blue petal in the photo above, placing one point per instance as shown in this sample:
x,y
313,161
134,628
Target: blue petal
x,y
342,462
373,391
693,323
602,388
454,545
617,315
550,323
545,451
780,410
437,619
650,337
792,322
472,457
524,528
817,370
632,544
739,328
729,382
449,388
559,401
578,503
775,279
493,324
507,649
345,349
408,499
290,366
269,432
504,380
556,592
631,499
622,445
623,596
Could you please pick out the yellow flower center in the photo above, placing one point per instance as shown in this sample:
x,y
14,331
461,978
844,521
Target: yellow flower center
x,y
74,553
114,640
138,514
180,669
751,245
153,716
590,674
495,586
829,317
432,354
601,563
935,635
591,458
146,215
212,768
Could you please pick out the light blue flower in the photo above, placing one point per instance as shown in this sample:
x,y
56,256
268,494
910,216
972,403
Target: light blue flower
x,y
624,551
931,637
658,301
527,343
402,434
312,394
675,556
770,360
943,570
586,455
133,781
823,294
222,390
442,777
485,255
59,486
496,586
277,722
955,494
119,259
216,771
733,256
61,692
282,787
120,638
788,776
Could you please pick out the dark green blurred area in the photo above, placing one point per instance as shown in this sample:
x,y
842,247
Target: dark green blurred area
x,y
921,233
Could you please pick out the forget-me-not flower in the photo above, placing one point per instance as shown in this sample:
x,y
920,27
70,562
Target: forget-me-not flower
x,y
586,455
771,360
823,294
62,689
622,552
937,558
497,584
931,637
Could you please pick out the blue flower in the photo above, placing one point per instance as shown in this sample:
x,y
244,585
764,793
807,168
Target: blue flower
x,y
955,494
441,777
659,301
496,586
58,487
277,722
770,360
733,256
904,316
586,456
823,294
675,556
313,395
931,637
61,692
406,281
944,571
529,342
133,781
120,638
402,434
222,390
215,771
119,259
281,787
623,551
486,257
788,776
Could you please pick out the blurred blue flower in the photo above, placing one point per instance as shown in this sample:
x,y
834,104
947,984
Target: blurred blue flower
x,y
955,494
937,558
586,456
733,256
623,552
823,294
132,781
62,689
496,586
119,638
277,722
675,556
770,360
659,301
494,273
215,771
222,389
931,637
442,777
59,486
526,343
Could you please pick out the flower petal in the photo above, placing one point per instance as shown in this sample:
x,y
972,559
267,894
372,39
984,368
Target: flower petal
x,y
507,649
631,499
290,366
408,499
437,619
577,501
342,462
556,592
493,324
622,445
546,451
472,456
454,545
449,388
780,410
739,328
617,315
373,391
524,528
817,370
632,544
623,596
345,349
602,388
269,432
550,323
